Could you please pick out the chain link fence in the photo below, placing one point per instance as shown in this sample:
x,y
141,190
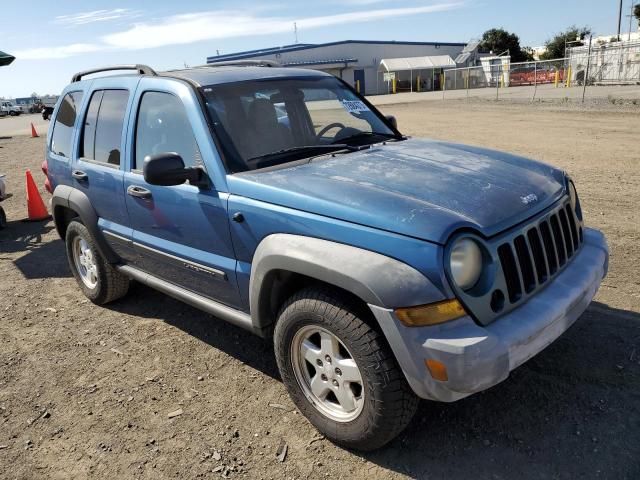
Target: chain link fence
x,y
611,72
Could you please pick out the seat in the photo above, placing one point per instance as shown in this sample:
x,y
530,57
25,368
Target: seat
x,y
266,133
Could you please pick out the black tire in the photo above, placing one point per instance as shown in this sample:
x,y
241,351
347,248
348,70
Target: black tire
x,y
3,219
389,403
110,284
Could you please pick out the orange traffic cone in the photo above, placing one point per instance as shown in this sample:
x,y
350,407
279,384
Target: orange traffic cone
x,y
34,134
35,205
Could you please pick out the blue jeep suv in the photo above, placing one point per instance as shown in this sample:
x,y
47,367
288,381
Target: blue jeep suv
x,y
385,268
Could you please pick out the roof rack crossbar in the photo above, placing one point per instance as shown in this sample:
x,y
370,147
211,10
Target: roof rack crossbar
x,y
141,69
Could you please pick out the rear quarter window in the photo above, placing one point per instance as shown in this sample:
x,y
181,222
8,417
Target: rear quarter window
x,y
63,124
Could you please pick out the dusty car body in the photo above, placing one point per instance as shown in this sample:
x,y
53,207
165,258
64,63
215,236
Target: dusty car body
x,y
385,268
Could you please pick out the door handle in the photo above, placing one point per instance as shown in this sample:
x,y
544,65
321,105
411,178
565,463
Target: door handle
x,y
80,175
138,192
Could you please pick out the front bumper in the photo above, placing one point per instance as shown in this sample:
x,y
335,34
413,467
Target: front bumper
x,y
478,357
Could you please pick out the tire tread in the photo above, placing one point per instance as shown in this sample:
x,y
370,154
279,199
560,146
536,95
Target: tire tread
x,y
112,284
395,402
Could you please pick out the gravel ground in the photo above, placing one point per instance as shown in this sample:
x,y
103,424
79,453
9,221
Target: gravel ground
x,y
21,125
88,392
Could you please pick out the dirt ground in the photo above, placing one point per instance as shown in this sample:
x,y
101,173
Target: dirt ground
x,y
86,391
21,125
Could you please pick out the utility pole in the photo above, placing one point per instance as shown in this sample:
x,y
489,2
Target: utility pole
x,y
631,18
295,31
586,73
619,19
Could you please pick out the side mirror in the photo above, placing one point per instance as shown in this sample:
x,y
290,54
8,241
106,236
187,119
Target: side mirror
x,y
168,169
392,120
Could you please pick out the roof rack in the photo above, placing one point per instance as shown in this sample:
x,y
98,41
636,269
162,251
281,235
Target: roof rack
x,y
141,69
243,63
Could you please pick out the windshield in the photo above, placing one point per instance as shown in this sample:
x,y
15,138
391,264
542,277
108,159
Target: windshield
x,y
269,122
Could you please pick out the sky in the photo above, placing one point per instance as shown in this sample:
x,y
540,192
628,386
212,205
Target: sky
x,y
54,39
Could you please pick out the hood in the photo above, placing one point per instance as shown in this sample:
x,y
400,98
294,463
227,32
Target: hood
x,y
421,188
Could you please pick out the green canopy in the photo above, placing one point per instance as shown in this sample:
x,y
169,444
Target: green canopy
x,y
6,59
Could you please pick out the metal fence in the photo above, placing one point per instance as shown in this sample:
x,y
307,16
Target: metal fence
x,y
615,63
583,74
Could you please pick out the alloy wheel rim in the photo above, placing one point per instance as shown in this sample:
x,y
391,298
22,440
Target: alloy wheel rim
x,y
327,373
85,262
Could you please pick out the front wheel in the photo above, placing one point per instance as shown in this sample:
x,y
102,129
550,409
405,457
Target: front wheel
x,y
99,281
340,372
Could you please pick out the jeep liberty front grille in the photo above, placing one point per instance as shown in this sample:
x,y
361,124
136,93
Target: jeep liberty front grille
x,y
522,261
539,251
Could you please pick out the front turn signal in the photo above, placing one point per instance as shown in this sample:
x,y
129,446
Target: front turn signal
x,y
431,314
437,369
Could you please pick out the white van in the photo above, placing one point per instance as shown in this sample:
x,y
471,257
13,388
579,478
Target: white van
x,y
8,108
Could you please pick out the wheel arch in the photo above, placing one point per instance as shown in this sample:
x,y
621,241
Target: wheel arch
x,y
285,263
280,285
69,203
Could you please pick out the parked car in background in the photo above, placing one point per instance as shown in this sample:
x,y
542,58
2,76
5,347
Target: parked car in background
x,y
8,108
385,268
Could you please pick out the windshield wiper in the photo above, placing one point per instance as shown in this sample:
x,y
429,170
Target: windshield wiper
x,y
370,134
302,148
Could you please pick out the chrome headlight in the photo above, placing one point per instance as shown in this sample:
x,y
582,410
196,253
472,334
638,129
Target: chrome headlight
x,y
465,262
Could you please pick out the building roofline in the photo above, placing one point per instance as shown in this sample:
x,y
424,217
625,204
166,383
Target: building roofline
x,y
345,61
306,46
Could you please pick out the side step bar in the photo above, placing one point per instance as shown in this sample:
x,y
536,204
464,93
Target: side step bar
x,y
229,314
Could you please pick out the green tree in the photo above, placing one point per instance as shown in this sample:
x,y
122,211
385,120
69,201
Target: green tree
x,y
498,40
556,45
636,12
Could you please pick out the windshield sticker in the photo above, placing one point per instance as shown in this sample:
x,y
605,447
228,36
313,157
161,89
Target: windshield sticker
x,y
355,106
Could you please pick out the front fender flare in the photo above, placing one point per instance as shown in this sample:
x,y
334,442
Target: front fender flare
x,y
376,279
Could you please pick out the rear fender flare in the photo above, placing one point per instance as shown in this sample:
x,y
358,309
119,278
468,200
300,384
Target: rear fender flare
x,y
74,199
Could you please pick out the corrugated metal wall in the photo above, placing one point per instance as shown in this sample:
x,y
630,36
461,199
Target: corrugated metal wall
x,y
368,57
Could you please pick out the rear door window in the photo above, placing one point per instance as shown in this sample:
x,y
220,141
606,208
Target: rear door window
x,y
63,125
102,131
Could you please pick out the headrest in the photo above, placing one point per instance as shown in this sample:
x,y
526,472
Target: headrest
x,y
262,112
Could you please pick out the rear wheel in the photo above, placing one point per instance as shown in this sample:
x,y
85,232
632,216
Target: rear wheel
x,y
340,372
99,281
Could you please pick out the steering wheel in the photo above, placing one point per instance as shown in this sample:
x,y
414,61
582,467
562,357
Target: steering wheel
x,y
321,133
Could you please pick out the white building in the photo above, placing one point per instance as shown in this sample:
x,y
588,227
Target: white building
x,y
355,61
616,63
628,36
